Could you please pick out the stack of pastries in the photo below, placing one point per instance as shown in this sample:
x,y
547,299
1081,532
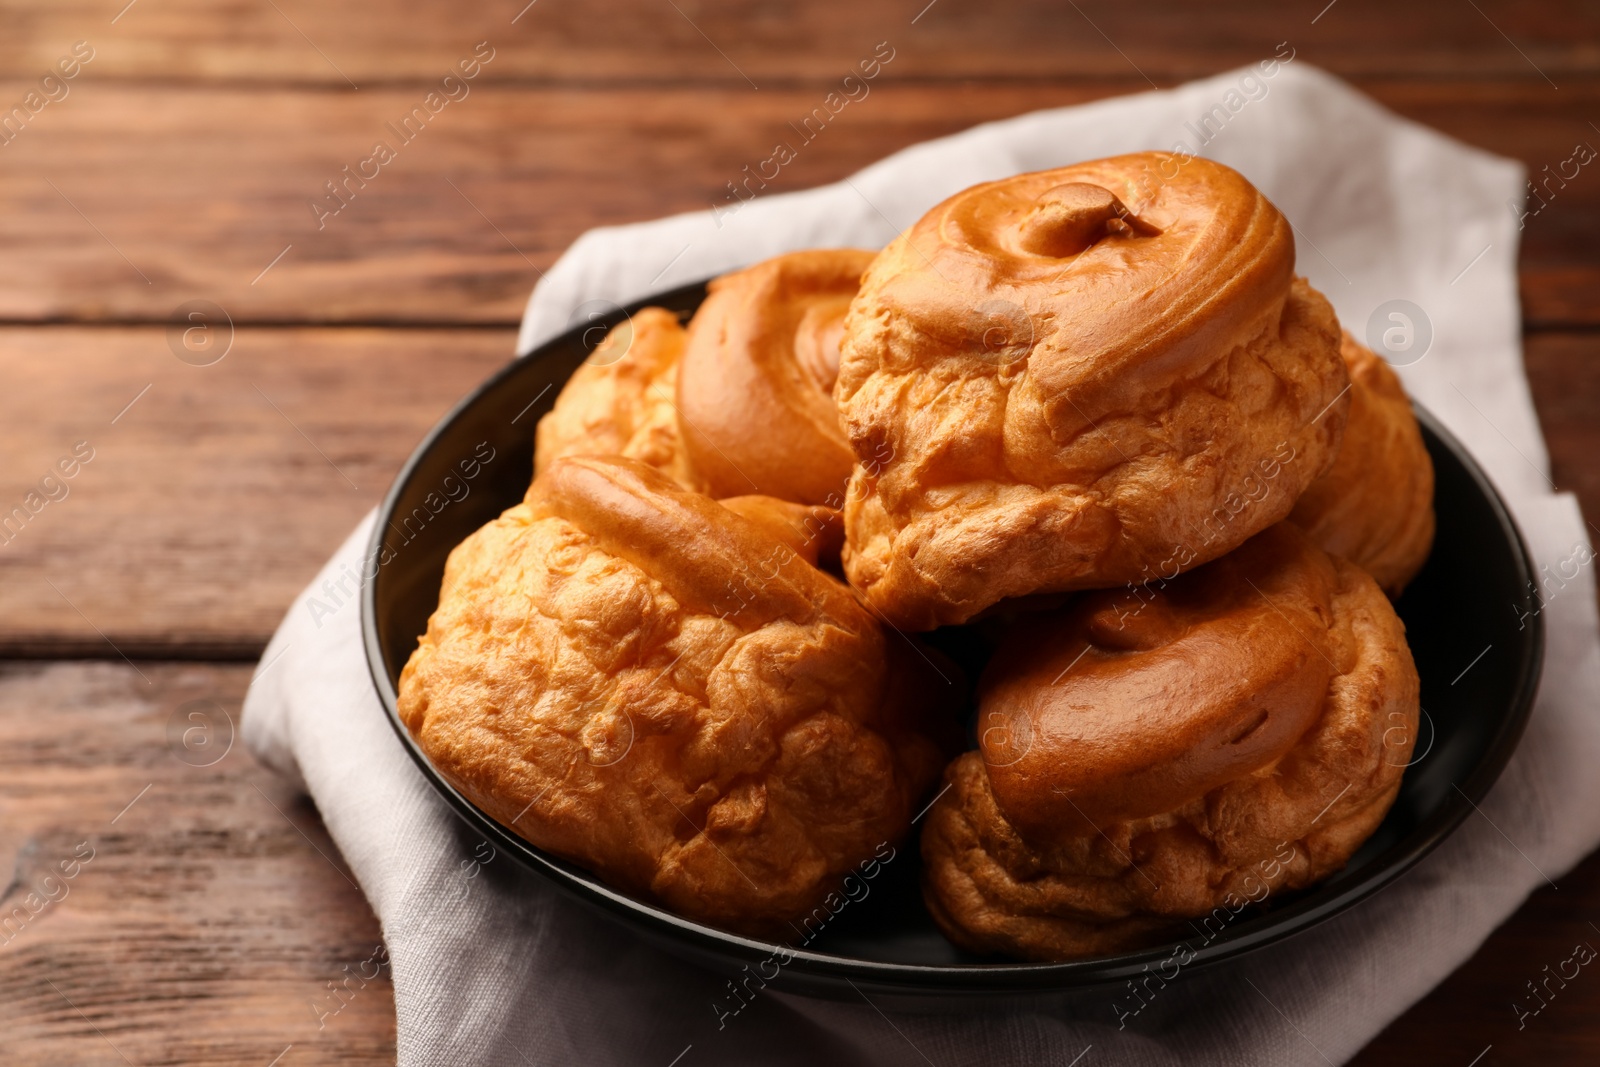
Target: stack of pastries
x,y
1087,425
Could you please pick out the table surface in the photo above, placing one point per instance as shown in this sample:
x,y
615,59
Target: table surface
x,y
209,918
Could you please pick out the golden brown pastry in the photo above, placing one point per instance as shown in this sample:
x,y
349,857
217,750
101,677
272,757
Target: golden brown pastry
x,y
756,390
621,401
1374,506
663,690
1236,733
814,531
1060,380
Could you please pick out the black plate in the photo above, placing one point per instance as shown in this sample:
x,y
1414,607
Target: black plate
x,y
1478,659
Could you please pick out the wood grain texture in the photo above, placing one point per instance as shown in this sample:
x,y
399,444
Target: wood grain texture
x,y
208,912
1564,372
121,204
180,164
608,41
207,927
215,498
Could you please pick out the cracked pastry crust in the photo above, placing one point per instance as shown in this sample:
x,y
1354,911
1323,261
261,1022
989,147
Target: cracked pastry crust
x,y
1058,381
620,402
1374,506
1146,761
667,692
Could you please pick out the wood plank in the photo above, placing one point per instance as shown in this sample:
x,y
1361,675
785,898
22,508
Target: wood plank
x,y
127,200
205,927
1564,373
728,40
200,925
205,509
217,495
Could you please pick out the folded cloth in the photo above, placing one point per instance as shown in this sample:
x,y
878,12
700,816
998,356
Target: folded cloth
x,y
491,966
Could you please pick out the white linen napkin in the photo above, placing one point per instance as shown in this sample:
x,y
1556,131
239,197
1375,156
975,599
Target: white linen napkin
x,y
491,966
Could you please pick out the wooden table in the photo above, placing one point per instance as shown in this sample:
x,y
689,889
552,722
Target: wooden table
x,y
208,915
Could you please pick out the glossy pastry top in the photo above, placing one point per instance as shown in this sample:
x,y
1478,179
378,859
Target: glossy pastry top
x,y
691,544
814,532
756,388
1054,267
1050,382
1123,708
